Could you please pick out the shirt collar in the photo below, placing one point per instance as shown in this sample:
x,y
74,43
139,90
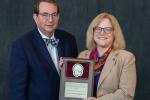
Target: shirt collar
x,y
44,36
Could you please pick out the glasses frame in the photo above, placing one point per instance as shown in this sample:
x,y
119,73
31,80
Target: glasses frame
x,y
45,16
106,30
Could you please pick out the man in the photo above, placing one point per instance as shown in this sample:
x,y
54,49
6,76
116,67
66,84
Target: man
x,y
35,56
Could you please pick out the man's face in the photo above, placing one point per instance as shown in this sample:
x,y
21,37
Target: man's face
x,y
47,18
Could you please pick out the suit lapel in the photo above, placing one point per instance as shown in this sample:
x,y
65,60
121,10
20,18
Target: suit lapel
x,y
43,49
60,44
107,67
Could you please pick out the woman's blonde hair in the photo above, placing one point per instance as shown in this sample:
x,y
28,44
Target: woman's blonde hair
x,y
119,42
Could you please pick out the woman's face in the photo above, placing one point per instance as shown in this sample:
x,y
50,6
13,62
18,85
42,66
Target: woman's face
x,y
103,34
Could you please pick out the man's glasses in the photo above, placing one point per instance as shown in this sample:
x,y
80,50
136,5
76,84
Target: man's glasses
x,y
106,30
46,16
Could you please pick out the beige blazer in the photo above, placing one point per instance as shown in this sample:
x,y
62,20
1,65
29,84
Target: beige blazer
x,y
118,77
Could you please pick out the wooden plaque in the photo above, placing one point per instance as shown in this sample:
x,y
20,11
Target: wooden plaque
x,y
76,79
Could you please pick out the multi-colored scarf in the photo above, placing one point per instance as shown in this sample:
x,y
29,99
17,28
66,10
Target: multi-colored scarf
x,y
99,61
98,66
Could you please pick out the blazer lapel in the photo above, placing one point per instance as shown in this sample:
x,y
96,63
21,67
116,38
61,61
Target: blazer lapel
x,y
107,67
60,44
43,50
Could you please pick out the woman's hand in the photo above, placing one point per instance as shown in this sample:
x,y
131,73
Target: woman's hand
x,y
61,62
89,98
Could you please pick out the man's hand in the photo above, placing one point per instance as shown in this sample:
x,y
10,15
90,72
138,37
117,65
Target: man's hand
x,y
61,62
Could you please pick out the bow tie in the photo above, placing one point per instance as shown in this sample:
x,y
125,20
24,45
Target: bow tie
x,y
53,42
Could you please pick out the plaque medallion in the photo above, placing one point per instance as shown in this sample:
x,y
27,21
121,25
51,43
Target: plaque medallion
x,y
77,70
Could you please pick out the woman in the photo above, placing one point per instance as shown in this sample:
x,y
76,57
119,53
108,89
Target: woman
x,y
114,68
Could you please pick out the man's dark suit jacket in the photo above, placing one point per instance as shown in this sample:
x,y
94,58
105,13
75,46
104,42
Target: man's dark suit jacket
x,y
33,73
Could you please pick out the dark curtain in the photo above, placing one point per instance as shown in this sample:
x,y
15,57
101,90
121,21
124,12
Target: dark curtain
x,y
133,16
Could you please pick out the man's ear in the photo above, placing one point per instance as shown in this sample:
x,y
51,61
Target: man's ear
x,y
58,16
35,18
